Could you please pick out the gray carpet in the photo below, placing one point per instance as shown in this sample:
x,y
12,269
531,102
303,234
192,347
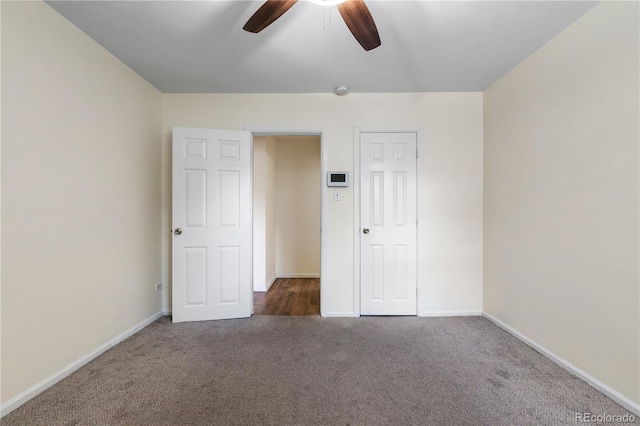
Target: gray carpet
x,y
270,370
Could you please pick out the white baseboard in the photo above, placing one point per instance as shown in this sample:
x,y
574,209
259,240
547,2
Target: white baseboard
x,y
423,314
340,315
271,281
297,276
607,390
276,276
268,286
450,314
45,384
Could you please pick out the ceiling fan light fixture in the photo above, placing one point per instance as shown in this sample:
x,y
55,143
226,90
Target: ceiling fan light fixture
x,y
342,90
327,2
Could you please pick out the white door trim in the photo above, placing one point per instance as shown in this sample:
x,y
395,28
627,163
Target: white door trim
x,y
421,203
306,131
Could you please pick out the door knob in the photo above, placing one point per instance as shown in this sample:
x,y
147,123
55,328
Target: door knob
x,y
365,230
178,231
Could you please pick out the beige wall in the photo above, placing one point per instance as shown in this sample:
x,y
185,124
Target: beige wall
x,y
562,197
81,196
264,164
297,206
452,124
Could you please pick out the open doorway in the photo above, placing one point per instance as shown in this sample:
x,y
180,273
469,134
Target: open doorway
x,y
287,179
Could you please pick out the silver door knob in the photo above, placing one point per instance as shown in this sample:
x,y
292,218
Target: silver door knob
x,y
365,230
178,231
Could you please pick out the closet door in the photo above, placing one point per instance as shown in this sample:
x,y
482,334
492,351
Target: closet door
x,y
388,236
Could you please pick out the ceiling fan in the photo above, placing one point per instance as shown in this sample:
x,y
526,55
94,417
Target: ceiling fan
x,y
354,12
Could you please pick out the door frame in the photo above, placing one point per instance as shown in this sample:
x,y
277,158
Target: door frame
x,y
302,131
421,204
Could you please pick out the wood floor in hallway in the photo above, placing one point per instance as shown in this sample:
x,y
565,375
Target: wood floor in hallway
x,y
289,296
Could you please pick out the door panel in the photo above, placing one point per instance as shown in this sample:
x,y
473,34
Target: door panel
x,y
377,258
196,198
212,207
377,199
388,211
196,276
229,274
229,198
400,199
400,269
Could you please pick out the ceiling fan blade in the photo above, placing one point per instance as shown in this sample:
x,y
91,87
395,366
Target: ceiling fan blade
x,y
267,14
359,20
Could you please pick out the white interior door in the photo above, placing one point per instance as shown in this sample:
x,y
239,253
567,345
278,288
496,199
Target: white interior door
x,y
211,224
388,231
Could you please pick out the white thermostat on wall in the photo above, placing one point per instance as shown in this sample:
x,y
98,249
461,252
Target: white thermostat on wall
x,y
337,178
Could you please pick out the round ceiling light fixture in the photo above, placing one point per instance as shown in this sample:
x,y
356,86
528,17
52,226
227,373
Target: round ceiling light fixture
x,y
327,2
342,90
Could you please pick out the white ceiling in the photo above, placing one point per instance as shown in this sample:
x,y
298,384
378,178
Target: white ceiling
x,y
427,46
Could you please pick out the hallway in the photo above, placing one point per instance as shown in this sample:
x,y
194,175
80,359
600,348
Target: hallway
x,y
289,296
